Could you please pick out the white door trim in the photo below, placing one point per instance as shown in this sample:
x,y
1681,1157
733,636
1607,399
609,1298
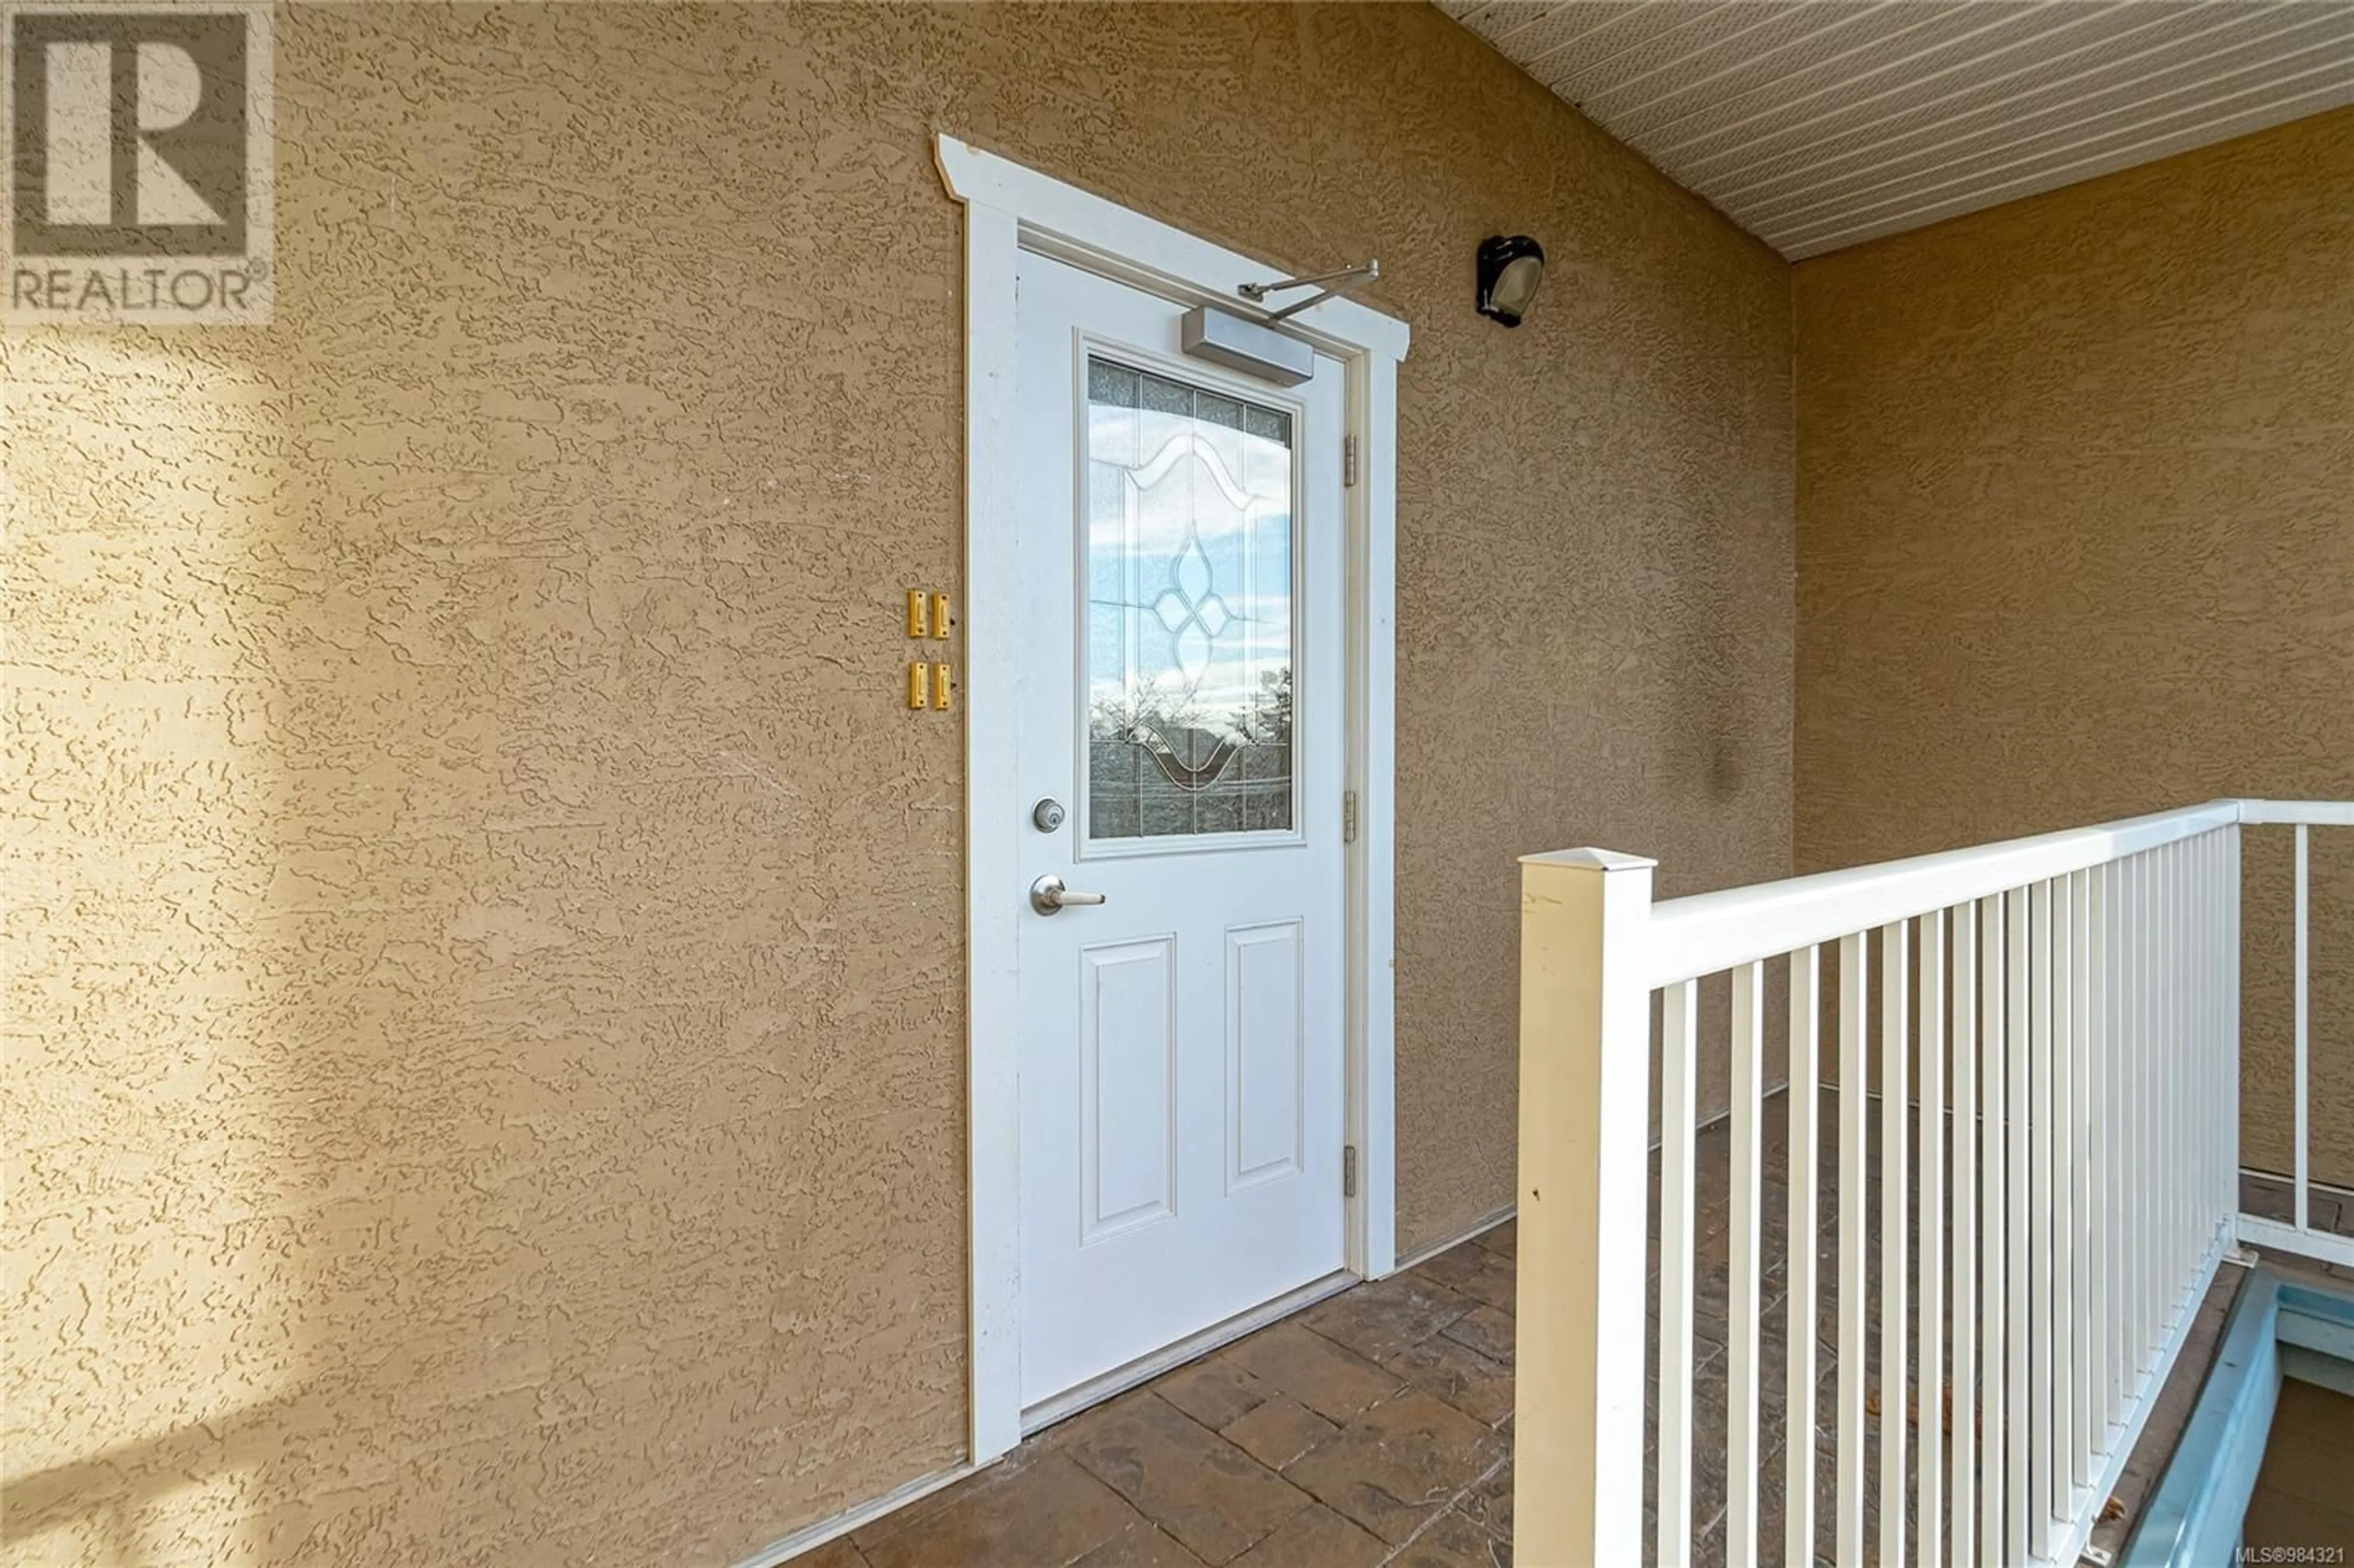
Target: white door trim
x,y
1009,208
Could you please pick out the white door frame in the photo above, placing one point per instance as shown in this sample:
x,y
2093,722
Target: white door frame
x,y
1009,209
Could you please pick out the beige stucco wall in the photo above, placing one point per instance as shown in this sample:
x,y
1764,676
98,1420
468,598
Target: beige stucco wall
x,y
2076,539
484,1073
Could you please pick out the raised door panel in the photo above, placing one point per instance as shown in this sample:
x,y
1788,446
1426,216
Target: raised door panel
x,y
1127,1086
1266,1065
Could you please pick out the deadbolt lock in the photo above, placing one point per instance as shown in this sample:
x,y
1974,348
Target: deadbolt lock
x,y
1047,814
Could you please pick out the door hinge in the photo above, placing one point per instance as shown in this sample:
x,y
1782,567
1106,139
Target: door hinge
x,y
1349,462
1348,816
1348,1171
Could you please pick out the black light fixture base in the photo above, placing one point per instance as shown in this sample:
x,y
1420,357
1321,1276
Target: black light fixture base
x,y
1510,267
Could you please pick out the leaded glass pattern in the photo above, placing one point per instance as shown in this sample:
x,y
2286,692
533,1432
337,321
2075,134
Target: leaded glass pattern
x,y
1190,568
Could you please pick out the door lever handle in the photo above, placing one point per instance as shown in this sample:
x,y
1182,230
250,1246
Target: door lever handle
x,y
1048,895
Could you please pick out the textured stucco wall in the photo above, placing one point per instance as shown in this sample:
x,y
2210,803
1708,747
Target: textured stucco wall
x,y
485,1051
1594,561
2076,539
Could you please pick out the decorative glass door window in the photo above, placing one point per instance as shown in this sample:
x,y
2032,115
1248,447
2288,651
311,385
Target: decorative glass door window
x,y
1190,566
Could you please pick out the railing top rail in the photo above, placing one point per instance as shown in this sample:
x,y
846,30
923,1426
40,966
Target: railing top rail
x,y
1707,932
2319,813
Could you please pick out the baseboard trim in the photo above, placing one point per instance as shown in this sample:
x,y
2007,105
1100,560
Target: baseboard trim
x,y
1479,1227
809,1538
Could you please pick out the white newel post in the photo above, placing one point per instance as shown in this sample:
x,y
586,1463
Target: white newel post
x,y
1583,1190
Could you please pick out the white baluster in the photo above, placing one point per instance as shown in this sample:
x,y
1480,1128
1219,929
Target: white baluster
x,y
1930,1272
2083,1356
1806,1154
2304,1018
1853,1092
1678,1052
1994,1219
1965,1236
1742,1293
2037,1438
1896,1184
2018,1083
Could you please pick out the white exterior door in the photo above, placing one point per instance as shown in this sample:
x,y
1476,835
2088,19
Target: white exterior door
x,y
1180,548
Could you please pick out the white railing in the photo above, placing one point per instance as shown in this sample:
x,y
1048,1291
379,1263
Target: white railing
x,y
2050,1029
2298,1234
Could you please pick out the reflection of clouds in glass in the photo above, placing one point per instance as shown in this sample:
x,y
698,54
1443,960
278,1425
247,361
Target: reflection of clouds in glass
x,y
1189,550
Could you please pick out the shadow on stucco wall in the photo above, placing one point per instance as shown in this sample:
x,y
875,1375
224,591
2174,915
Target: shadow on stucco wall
x,y
470,996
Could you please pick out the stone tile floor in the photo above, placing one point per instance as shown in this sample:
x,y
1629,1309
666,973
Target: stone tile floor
x,y
1375,1428
2300,1501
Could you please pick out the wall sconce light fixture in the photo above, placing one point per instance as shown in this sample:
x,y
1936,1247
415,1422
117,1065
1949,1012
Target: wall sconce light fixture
x,y
1511,268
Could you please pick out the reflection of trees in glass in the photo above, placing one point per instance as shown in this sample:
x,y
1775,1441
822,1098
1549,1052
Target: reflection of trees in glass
x,y
1145,706
1192,750
1268,721
1149,705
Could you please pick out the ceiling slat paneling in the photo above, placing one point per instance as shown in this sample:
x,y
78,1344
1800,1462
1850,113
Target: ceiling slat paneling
x,y
2172,36
1820,123
1775,39
2070,112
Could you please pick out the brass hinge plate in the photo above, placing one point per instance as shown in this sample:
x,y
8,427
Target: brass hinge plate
x,y
1348,1171
1349,462
1348,816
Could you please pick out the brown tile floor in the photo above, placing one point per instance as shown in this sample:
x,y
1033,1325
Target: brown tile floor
x,y
2300,1499
1371,1428
1375,1427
